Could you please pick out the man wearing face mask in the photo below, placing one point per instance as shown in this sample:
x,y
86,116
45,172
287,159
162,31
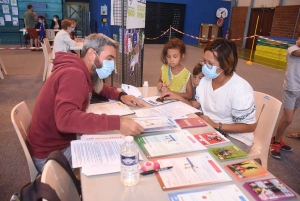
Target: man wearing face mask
x,y
62,40
60,109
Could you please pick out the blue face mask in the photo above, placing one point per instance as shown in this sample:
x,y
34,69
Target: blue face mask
x,y
210,72
107,67
71,29
40,21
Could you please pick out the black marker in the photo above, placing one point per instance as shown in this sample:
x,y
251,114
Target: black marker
x,y
158,170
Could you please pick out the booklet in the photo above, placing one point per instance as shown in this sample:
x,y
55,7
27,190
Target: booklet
x,y
229,152
211,138
246,170
228,192
115,108
269,189
191,122
190,171
153,101
165,144
156,124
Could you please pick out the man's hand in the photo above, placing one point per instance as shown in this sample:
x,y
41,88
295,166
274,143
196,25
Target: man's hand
x,y
130,127
131,101
209,121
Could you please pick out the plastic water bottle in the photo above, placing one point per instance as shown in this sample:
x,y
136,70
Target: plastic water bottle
x,y
145,89
129,163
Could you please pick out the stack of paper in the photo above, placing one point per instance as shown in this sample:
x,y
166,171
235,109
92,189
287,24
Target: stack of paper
x,y
156,124
115,108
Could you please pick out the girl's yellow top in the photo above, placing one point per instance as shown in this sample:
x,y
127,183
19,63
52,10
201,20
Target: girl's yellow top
x,y
176,83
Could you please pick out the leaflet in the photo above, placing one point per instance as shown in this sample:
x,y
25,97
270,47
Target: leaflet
x,y
156,124
114,108
200,169
169,143
225,193
153,101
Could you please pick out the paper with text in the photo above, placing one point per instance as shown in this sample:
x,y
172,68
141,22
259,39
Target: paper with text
x,y
156,124
111,108
152,101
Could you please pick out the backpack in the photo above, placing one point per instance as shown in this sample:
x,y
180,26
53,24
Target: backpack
x,y
36,190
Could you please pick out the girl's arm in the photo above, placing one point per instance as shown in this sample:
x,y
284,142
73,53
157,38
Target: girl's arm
x,y
170,95
189,90
160,83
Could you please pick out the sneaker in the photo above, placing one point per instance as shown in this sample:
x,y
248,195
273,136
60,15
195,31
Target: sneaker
x,y
283,146
275,150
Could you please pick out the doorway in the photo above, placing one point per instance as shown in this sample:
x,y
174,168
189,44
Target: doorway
x,y
159,17
79,11
264,24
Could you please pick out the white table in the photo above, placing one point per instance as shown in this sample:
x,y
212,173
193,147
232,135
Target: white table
x,y
109,187
78,46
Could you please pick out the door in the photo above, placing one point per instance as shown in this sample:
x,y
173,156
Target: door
x,y
79,11
264,23
159,17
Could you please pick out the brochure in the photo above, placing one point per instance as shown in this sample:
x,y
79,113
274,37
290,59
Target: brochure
x,y
211,138
225,153
156,124
191,122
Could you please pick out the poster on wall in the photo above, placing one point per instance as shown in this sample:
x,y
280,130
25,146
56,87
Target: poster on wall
x,y
13,2
136,14
5,8
14,10
7,18
4,1
15,21
2,23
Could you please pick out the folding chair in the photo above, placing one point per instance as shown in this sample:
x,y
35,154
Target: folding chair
x,y
2,69
21,119
267,111
48,63
59,180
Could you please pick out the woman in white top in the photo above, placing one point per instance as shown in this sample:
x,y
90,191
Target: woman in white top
x,y
226,99
62,40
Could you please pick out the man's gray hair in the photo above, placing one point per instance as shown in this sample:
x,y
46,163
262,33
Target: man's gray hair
x,y
97,43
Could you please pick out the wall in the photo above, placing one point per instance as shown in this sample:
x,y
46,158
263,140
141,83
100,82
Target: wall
x,y
268,3
238,23
284,21
95,15
197,12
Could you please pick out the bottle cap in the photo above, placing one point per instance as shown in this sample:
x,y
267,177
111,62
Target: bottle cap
x,y
145,83
129,139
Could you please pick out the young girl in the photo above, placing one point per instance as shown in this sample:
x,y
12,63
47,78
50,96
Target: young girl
x,y
42,33
197,76
175,77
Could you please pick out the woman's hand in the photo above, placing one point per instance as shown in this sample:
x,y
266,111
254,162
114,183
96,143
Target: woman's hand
x,y
170,95
195,104
209,121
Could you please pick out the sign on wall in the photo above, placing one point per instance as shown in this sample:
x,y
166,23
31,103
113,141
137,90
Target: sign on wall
x,y
136,14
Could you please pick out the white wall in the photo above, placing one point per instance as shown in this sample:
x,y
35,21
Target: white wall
x,y
268,3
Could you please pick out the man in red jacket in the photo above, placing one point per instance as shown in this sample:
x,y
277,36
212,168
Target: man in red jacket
x,y
60,109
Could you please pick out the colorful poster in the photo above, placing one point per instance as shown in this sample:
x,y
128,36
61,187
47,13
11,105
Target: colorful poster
x,y
7,18
14,10
4,1
136,13
13,2
2,23
15,21
5,8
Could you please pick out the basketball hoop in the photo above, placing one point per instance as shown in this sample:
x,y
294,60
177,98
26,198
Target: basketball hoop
x,y
220,21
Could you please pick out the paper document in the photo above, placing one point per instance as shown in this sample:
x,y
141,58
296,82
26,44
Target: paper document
x,y
115,108
173,110
168,143
102,137
189,171
152,101
225,193
156,124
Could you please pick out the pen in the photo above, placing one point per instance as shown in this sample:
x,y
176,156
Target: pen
x,y
158,170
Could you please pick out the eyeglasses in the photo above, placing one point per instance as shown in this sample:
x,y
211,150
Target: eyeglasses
x,y
203,62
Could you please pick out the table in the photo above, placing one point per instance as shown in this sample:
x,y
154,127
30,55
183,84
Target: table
x,y
78,46
109,187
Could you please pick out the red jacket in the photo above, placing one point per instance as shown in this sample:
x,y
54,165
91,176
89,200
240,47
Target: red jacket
x,y
59,112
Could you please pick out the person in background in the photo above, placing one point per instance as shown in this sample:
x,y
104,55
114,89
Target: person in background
x,y
40,19
56,23
62,40
174,76
60,110
42,33
226,99
29,18
197,76
291,99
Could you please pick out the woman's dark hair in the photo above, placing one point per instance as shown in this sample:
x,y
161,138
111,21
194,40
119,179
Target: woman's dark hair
x,y
197,69
56,16
65,24
174,43
225,52
41,17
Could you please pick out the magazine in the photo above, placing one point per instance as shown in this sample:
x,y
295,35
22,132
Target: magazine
x,y
229,152
191,122
211,138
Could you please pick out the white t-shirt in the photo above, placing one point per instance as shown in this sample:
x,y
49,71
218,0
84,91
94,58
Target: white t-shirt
x,y
62,42
229,104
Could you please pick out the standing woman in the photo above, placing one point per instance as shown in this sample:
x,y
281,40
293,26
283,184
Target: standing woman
x,y
226,99
56,23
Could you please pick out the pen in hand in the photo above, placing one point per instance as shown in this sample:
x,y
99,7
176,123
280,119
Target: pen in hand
x,y
158,170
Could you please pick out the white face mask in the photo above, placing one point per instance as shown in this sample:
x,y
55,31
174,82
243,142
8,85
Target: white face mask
x,y
54,19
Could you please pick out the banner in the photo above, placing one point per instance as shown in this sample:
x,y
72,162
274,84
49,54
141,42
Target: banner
x,y
136,13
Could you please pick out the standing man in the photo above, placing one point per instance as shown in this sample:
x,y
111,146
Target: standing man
x,y
29,18
291,99
60,109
